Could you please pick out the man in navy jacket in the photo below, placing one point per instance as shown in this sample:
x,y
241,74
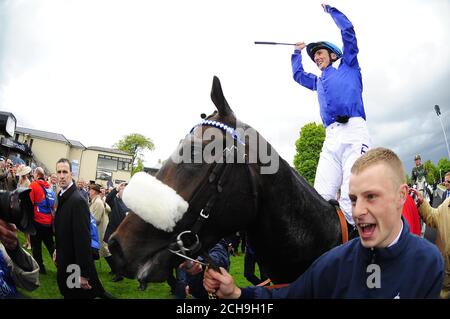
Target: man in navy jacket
x,y
386,261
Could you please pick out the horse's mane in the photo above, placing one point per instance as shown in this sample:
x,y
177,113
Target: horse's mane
x,y
294,226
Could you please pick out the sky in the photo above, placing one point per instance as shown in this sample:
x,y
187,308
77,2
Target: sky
x,y
96,70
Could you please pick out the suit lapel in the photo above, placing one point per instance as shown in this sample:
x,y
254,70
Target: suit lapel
x,y
62,199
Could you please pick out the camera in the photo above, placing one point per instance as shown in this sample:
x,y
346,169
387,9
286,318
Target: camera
x,y
414,197
16,208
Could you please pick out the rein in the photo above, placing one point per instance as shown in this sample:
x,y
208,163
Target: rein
x,y
343,222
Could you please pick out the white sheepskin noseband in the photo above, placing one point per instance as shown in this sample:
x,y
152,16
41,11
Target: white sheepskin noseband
x,y
154,201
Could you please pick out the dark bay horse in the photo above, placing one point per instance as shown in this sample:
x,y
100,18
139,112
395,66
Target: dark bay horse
x,y
287,221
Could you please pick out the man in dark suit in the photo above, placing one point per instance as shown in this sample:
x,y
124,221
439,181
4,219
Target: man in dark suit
x,y
76,273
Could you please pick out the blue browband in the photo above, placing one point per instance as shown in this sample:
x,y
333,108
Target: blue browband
x,y
223,127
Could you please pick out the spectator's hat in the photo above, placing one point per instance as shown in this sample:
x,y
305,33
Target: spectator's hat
x,y
417,157
96,187
23,170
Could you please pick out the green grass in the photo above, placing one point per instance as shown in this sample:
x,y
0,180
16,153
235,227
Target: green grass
x,y
125,289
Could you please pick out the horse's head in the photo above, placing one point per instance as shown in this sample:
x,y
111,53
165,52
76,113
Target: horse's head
x,y
203,192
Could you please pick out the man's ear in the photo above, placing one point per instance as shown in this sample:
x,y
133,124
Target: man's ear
x,y
333,57
403,192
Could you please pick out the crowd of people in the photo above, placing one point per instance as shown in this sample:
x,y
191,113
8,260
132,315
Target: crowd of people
x,y
62,214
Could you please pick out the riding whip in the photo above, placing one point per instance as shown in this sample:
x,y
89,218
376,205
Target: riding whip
x,y
273,43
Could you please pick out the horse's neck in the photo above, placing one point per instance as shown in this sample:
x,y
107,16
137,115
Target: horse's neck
x,y
294,225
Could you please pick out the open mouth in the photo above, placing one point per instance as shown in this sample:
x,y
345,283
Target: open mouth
x,y
366,230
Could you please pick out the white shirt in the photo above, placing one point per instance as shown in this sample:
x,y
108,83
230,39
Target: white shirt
x,y
397,238
63,190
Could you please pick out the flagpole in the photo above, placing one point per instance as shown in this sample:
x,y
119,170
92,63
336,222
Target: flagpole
x,y
438,112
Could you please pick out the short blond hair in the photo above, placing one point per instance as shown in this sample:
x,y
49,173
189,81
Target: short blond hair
x,y
381,155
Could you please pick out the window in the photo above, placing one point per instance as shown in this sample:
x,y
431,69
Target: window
x,y
107,163
124,164
111,163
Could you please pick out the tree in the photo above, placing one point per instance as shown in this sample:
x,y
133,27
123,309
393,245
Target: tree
x,y
443,166
135,144
308,147
138,168
433,172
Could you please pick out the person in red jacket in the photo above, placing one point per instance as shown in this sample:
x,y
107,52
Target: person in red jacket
x,y
43,199
411,214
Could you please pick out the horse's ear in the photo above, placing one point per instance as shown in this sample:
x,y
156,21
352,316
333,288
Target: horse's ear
x,y
218,99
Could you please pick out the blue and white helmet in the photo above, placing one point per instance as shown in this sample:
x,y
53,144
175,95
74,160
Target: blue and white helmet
x,y
311,48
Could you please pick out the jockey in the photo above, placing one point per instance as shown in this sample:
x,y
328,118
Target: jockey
x,y
341,108
419,172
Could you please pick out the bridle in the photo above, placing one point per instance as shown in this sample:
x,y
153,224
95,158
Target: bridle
x,y
187,243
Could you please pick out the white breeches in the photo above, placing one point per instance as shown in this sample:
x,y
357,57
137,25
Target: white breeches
x,y
343,144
